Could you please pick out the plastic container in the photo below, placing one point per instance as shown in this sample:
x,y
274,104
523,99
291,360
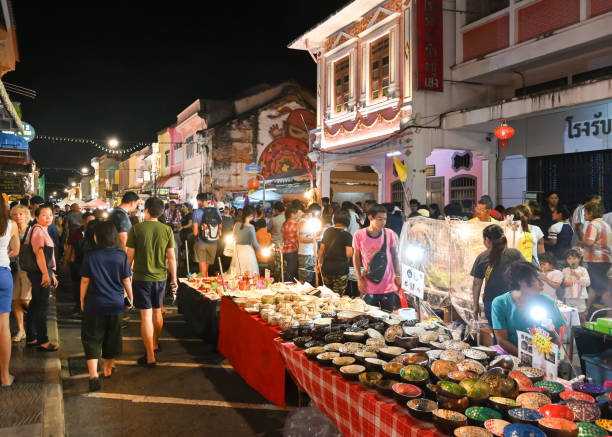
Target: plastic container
x,y
597,368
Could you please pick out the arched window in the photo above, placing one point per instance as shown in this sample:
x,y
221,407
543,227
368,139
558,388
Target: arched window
x,y
463,192
397,192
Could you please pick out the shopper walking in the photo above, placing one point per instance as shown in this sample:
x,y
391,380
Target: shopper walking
x,y
9,247
22,288
120,216
244,259
151,248
335,253
105,274
375,249
207,227
307,235
43,279
289,230
275,228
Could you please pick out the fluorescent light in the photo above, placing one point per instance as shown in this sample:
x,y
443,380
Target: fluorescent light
x,y
394,153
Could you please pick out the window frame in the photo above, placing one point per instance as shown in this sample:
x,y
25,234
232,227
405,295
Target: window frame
x,y
397,192
189,147
465,188
178,153
379,57
345,83
167,158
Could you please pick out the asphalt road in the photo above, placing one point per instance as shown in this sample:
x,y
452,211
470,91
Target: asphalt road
x,y
193,390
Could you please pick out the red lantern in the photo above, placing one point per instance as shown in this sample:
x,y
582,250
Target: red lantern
x,y
252,184
503,132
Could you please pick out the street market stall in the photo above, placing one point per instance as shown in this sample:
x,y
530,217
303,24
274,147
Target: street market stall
x,y
201,310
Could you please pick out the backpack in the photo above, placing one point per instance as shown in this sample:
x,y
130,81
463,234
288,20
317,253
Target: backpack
x,y
525,246
210,227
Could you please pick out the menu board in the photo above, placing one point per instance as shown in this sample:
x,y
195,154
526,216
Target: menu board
x,y
11,184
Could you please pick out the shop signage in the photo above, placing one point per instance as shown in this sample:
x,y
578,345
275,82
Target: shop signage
x,y
429,45
532,357
430,170
173,196
11,184
595,126
28,132
253,168
413,281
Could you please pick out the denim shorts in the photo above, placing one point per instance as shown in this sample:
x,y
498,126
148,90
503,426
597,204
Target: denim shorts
x,y
6,290
148,295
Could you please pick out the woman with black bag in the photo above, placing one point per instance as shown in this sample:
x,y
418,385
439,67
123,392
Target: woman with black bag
x,y
42,280
22,289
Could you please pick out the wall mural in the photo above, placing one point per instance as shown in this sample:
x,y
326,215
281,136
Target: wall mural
x,y
283,139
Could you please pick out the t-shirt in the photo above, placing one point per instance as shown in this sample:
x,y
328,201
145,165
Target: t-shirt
x,y
600,233
198,216
274,227
289,230
368,246
496,284
305,248
554,276
576,284
334,262
39,237
106,269
537,235
120,219
394,222
507,316
228,225
74,219
563,233
150,239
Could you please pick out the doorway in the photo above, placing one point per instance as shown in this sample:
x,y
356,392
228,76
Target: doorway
x,y
435,191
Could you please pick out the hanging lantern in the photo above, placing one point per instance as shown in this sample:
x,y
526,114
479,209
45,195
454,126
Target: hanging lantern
x,y
503,132
252,184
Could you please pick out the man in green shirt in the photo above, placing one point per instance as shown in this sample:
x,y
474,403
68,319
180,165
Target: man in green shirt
x,y
150,245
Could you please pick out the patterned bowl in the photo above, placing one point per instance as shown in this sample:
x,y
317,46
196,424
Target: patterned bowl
x,y
532,372
553,387
496,426
605,424
557,411
373,364
522,430
503,405
343,361
385,387
370,379
572,394
422,409
460,375
451,389
415,374
558,427
392,370
452,355
533,400
476,389
475,354
477,416
590,430
590,389
403,392
446,421
584,411
471,366
441,368
524,415
521,379
472,431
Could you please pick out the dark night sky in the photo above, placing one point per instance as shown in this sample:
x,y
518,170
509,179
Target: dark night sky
x,y
125,70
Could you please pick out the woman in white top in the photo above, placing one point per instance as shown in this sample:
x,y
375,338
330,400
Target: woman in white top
x,y
354,224
9,247
535,231
244,259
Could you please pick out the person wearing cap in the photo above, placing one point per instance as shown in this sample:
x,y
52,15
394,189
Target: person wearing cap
x,y
423,212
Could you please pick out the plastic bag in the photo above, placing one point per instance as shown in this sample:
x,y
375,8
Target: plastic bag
x,y
309,422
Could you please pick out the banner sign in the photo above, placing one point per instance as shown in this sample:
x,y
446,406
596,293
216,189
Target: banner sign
x,y
532,357
429,45
413,281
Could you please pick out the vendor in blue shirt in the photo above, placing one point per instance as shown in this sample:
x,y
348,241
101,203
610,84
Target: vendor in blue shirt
x,y
512,311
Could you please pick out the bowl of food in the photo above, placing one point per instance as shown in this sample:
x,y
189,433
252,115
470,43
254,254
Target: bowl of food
x,y
503,405
370,379
558,427
374,364
312,352
586,429
420,359
352,371
584,411
422,409
558,411
403,392
414,374
343,361
522,430
533,400
477,416
471,431
441,368
446,421
326,358
391,352
524,415
385,386
496,426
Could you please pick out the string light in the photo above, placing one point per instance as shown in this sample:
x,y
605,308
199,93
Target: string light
x,y
96,143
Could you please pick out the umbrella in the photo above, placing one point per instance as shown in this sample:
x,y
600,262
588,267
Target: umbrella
x,y
67,201
97,203
271,196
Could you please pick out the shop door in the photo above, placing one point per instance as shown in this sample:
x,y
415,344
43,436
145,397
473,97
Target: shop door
x,y
435,191
573,175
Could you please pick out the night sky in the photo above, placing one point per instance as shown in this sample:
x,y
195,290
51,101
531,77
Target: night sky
x,y
125,70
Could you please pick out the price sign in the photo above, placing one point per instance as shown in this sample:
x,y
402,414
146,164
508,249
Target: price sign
x,y
413,281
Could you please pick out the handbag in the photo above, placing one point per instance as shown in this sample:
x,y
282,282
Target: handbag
x,y
27,257
14,265
378,264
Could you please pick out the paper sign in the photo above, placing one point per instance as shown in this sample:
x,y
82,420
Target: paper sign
x,y
529,354
413,281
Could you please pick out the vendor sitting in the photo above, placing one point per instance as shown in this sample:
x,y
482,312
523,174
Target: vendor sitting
x,y
513,311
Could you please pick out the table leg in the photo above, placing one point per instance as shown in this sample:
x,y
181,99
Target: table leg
x,y
571,350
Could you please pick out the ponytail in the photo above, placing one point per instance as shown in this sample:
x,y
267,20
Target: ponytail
x,y
498,240
523,213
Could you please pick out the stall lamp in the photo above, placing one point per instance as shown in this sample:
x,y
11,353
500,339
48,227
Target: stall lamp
x,y
229,239
105,214
414,253
309,194
313,225
266,251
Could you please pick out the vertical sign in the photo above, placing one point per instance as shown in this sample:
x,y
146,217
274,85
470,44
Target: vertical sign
x,y
429,42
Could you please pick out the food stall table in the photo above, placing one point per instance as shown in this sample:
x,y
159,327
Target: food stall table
x,y
356,410
248,344
200,312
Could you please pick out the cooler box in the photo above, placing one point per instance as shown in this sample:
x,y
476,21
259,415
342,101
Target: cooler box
x,y
597,368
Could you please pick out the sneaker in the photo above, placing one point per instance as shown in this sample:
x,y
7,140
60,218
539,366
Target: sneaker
x,y
94,384
21,335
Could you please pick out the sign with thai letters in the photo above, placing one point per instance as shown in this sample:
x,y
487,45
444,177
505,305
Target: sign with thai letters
x,y
429,45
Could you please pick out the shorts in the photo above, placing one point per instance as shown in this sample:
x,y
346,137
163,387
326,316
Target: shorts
x,y
148,295
598,272
101,336
205,252
579,304
6,290
306,264
385,301
22,287
337,283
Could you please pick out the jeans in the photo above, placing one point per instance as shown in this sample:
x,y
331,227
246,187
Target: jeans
x,y
488,315
291,266
36,317
386,301
75,278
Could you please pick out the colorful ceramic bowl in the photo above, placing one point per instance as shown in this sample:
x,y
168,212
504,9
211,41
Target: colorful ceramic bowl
x,y
446,421
553,387
590,430
478,415
472,431
533,400
501,385
532,372
524,415
558,411
503,405
414,373
475,354
370,379
476,389
558,427
507,362
422,409
460,375
522,430
584,411
521,379
534,390
605,424
496,426
455,345
572,394
441,368
452,389
452,355
385,387
471,366
420,359
403,392
392,370
590,389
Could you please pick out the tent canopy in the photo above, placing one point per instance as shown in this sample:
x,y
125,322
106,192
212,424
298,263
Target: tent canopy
x,y
97,203
67,201
271,196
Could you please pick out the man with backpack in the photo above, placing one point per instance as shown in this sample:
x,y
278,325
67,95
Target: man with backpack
x,y
207,226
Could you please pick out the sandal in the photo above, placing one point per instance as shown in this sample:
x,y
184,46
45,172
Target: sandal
x,y
31,343
10,383
51,348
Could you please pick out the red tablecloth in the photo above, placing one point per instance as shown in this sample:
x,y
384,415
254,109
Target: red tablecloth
x,y
356,410
248,344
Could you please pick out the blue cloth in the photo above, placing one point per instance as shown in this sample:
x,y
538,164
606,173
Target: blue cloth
x,y
106,269
564,241
54,234
507,316
6,290
395,223
148,294
198,215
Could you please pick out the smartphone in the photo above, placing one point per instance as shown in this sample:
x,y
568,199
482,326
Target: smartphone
x,y
127,302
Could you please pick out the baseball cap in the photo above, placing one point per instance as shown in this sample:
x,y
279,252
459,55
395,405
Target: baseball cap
x,y
423,212
220,206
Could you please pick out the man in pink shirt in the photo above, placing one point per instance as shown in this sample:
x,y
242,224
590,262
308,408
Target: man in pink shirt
x,y
382,291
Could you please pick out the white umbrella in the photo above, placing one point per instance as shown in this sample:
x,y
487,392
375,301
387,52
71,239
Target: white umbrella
x,y
271,196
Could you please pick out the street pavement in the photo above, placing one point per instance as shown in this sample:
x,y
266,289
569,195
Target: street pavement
x,y
192,391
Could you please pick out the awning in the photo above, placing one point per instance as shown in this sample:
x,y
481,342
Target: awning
x,y
97,203
271,196
12,141
170,181
9,108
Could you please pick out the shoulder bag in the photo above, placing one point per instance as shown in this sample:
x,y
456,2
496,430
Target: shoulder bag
x,y
27,257
378,264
